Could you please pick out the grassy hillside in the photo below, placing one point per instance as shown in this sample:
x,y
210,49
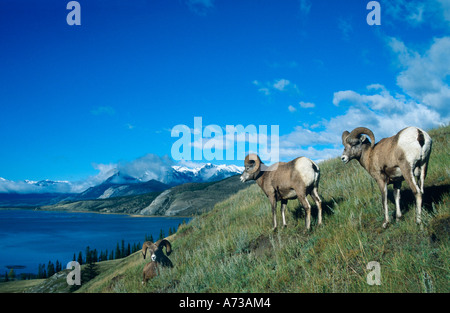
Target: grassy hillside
x,y
232,248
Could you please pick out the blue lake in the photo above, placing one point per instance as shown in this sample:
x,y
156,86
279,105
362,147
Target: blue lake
x,y
29,238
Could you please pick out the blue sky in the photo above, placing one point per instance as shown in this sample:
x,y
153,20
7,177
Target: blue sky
x,y
77,101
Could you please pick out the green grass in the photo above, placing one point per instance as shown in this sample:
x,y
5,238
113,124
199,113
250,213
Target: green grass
x,y
18,285
232,248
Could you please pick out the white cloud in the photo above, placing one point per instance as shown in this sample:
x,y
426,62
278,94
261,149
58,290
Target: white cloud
x,y
150,166
303,105
8,186
385,114
281,84
277,86
104,171
425,77
306,105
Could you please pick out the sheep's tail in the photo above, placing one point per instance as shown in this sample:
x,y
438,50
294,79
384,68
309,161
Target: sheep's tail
x,y
316,174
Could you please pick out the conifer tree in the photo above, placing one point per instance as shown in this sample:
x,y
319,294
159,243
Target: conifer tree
x,y
111,255
161,234
88,255
50,269
11,274
117,255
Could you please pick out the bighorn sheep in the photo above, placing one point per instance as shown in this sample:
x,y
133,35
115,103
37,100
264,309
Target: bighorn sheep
x,y
150,271
286,181
390,161
157,257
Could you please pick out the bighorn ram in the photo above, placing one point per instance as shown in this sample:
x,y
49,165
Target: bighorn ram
x,y
390,161
286,181
150,270
157,256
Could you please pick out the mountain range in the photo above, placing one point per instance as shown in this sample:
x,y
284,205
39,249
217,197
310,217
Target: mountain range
x,y
48,192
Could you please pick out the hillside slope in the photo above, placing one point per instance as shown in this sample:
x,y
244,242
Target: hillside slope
x,y
232,248
193,198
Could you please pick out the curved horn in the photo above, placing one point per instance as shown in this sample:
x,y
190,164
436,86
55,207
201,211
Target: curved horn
x,y
344,136
145,246
361,130
253,159
164,243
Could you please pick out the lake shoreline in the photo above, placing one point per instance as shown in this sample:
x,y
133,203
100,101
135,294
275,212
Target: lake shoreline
x,y
37,209
58,235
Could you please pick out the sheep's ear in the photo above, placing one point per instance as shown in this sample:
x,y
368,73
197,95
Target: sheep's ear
x,y
344,136
362,138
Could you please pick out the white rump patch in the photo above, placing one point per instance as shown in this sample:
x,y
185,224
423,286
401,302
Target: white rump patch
x,y
408,142
305,167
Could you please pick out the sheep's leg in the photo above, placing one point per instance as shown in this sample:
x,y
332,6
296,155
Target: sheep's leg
x,y
423,174
398,213
273,203
283,208
304,202
315,196
409,177
383,188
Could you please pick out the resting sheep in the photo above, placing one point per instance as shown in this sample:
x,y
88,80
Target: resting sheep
x,y
286,181
157,256
390,161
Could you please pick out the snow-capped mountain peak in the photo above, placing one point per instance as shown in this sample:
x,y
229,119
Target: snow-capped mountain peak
x,y
203,173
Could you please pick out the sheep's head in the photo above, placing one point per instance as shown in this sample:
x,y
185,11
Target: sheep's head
x,y
353,143
252,167
156,249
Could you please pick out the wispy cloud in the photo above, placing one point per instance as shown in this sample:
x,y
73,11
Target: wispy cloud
x,y
345,27
278,85
416,12
445,6
304,7
301,104
200,7
103,110
306,105
425,77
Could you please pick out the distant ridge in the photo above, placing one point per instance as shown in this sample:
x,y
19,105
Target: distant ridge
x,y
34,193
